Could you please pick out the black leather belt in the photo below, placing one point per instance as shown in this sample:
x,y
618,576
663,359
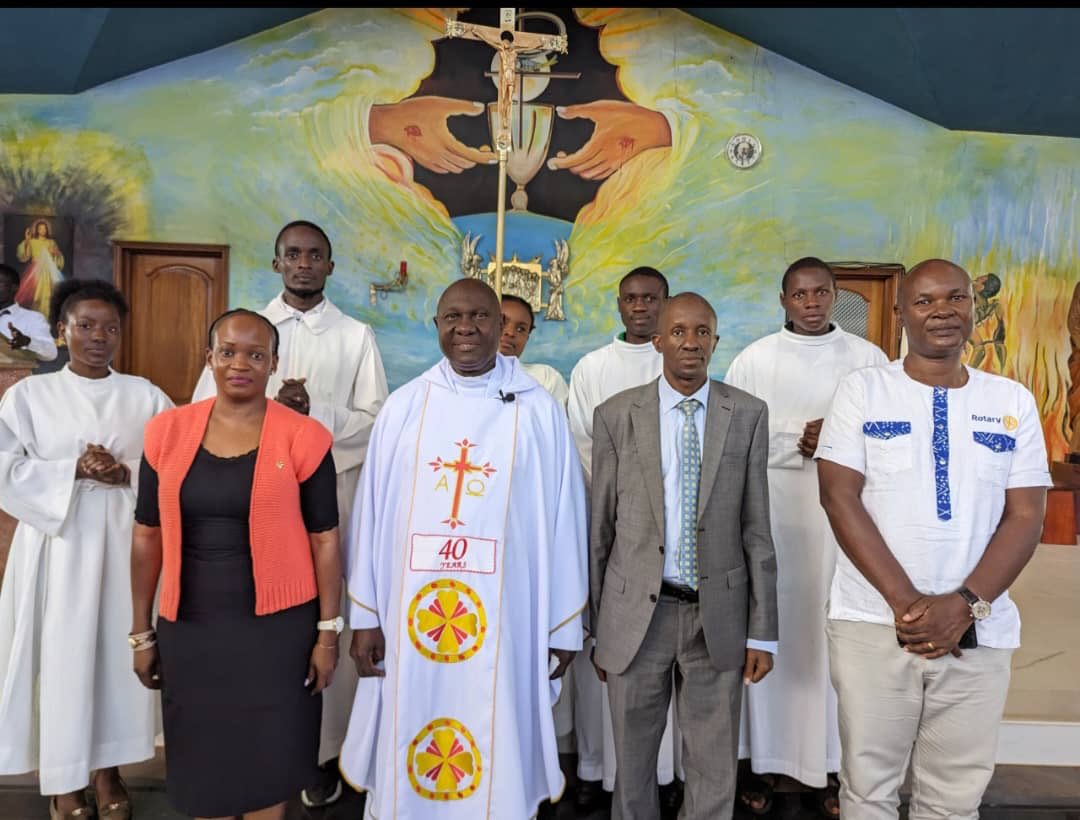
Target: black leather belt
x,y
680,593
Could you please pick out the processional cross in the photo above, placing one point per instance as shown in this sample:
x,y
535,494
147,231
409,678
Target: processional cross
x,y
509,44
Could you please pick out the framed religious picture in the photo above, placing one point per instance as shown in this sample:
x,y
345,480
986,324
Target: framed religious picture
x,y
41,249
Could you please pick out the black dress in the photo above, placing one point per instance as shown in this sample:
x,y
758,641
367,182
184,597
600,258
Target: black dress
x,y
241,729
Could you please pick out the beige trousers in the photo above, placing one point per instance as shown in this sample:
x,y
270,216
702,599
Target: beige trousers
x,y
940,716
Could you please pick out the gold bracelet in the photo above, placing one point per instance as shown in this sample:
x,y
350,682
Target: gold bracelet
x,y
324,646
142,640
146,645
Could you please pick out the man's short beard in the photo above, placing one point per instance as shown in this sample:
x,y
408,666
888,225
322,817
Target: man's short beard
x,y
304,293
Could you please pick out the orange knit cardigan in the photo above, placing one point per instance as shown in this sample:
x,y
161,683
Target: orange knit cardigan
x,y
291,447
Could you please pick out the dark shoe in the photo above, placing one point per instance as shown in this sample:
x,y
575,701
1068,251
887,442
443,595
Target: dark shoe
x,y
327,791
590,796
671,797
828,799
756,793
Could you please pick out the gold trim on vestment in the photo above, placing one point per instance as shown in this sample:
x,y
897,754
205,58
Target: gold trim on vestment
x,y
568,620
401,587
362,606
498,607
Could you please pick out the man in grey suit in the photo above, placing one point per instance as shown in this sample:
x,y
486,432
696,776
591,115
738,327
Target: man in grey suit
x,y
683,574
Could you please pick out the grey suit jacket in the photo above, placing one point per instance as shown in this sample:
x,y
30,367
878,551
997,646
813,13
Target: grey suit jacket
x,y
736,562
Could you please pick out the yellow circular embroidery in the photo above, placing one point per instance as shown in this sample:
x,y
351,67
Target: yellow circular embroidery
x,y
1010,422
443,761
446,621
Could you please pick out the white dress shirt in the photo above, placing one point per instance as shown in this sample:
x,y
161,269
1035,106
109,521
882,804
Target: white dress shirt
x,y
31,323
671,424
937,463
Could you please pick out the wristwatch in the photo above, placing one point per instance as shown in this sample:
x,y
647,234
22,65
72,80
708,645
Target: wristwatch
x,y
336,624
980,609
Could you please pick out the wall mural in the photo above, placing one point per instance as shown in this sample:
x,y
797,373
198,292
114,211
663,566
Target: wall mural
x,y
373,124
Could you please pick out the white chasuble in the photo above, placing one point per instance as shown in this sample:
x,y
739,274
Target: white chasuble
x,y
69,702
468,549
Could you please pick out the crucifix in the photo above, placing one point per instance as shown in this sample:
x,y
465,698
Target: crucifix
x,y
509,44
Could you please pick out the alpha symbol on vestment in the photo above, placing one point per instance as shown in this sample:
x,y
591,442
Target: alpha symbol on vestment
x,y
463,468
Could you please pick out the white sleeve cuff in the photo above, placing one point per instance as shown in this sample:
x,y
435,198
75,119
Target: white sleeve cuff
x,y
362,616
763,646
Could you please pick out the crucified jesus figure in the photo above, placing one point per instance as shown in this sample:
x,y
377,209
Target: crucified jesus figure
x,y
509,45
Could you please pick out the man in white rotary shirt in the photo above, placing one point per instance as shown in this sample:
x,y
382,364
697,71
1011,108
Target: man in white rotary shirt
x,y
330,369
934,479
467,577
629,360
789,721
518,323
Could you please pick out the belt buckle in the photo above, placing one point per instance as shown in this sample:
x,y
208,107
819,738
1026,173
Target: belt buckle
x,y
678,593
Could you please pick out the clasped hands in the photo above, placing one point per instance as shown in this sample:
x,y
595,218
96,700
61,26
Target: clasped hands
x,y
98,464
18,339
294,395
808,443
932,625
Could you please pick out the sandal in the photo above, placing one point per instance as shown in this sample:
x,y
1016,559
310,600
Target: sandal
x,y
757,789
117,809
81,813
829,796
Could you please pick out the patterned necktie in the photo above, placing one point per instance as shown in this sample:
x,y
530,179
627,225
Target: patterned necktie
x,y
689,481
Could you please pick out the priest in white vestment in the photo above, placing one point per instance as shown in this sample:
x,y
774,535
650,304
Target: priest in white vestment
x,y
70,446
329,368
789,723
467,579
628,361
518,322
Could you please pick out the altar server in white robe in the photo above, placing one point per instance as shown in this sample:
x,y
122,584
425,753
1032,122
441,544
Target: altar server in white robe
x,y
70,444
789,722
518,323
330,369
467,577
629,360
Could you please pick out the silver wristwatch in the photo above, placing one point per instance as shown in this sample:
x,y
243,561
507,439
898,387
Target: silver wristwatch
x,y
336,624
980,609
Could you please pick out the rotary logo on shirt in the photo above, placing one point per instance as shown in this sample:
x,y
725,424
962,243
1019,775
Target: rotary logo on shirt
x,y
1010,423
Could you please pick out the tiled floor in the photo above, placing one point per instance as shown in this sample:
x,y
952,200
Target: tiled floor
x,y
1046,668
1016,793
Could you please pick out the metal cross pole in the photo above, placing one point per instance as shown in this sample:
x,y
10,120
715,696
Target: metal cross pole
x,y
509,44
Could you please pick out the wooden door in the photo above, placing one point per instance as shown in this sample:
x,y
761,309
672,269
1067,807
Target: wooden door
x,y
174,291
866,294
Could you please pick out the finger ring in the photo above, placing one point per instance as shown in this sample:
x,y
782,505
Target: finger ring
x,y
930,644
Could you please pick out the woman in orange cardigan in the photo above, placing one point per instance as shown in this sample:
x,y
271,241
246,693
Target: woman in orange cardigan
x,y
237,518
